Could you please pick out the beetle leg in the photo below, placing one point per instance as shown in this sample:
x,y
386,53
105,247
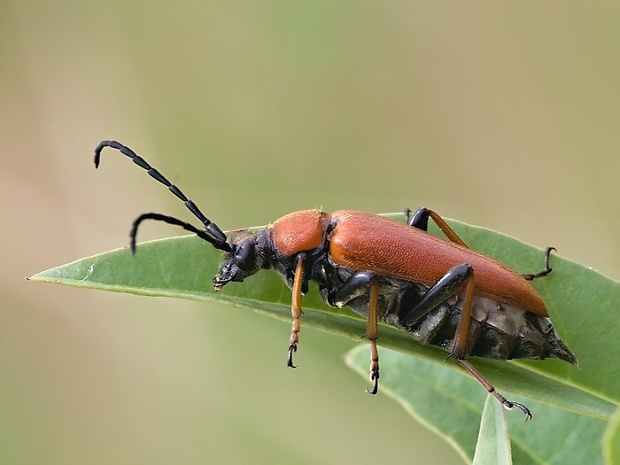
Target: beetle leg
x,y
508,404
420,220
449,285
357,285
296,308
545,272
462,328
372,333
441,291
460,349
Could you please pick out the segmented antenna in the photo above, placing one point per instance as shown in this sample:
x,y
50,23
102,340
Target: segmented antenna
x,y
211,233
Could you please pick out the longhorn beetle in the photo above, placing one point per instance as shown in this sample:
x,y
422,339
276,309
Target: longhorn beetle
x,y
441,292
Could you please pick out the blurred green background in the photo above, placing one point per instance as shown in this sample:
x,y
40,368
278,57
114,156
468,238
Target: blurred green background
x,y
499,114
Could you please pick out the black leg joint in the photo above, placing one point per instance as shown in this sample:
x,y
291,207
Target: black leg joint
x,y
419,219
355,286
449,285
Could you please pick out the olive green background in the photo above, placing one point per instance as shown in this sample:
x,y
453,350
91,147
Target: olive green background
x,y
503,114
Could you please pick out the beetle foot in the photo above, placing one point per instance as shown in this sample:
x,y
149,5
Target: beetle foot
x,y
291,349
374,376
510,404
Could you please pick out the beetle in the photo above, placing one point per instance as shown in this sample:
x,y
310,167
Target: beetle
x,y
440,291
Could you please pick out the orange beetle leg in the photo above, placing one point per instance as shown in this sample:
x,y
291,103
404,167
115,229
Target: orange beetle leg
x,y
460,349
372,333
420,220
296,309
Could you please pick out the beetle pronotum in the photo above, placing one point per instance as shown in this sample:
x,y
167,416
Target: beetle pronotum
x,y
441,292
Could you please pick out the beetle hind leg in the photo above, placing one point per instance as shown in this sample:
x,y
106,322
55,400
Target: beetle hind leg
x,y
460,349
449,285
508,404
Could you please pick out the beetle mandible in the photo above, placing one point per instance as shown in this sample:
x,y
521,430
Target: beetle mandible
x,y
441,292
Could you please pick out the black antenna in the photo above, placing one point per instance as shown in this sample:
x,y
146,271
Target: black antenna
x,y
211,233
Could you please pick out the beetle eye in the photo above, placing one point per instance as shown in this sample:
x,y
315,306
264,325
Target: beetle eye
x,y
244,255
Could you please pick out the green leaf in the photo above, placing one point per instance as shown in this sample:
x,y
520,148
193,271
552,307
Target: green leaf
x,y
450,402
611,440
582,303
493,446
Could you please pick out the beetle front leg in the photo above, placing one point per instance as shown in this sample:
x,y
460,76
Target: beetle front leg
x,y
296,308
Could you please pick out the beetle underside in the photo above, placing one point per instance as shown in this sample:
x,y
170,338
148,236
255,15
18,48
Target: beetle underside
x,y
496,331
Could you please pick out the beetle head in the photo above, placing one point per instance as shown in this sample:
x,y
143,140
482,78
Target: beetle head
x,y
249,253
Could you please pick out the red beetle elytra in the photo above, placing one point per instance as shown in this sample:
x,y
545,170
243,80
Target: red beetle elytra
x,y
441,292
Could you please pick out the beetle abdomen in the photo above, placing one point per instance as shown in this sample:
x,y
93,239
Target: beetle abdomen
x,y
497,330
